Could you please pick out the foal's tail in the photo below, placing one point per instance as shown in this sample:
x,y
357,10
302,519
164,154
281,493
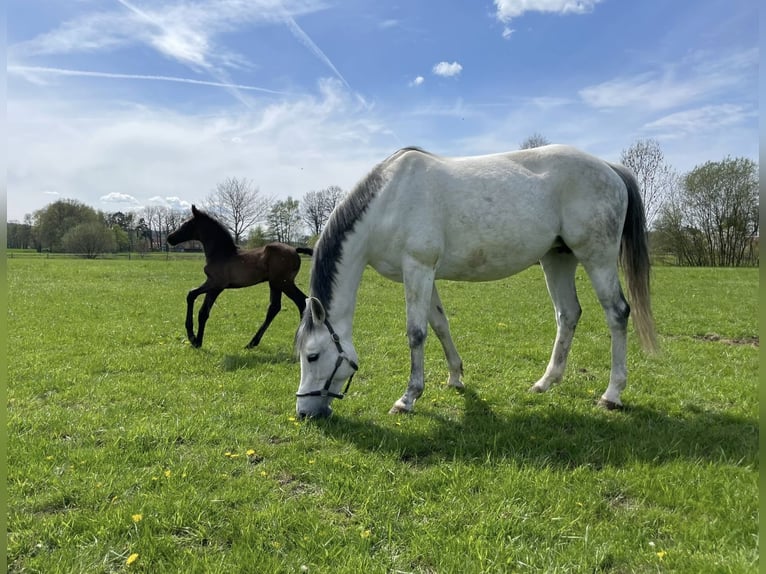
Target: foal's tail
x,y
634,258
305,250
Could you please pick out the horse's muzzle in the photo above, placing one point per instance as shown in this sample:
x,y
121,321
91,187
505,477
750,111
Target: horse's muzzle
x,y
322,413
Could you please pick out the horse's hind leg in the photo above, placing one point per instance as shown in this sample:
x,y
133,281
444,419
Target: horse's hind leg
x,y
204,313
606,283
438,321
275,304
295,294
559,268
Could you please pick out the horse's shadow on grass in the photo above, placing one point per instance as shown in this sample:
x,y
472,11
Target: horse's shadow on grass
x,y
250,360
558,437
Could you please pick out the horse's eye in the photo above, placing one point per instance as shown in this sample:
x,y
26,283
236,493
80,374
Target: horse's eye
x,y
312,357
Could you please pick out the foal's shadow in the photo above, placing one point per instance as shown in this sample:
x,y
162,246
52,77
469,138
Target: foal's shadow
x,y
556,437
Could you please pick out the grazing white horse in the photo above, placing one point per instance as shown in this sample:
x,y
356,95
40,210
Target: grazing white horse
x,y
417,217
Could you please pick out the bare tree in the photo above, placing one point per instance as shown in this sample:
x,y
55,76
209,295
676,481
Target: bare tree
x,y
316,207
238,204
656,178
535,140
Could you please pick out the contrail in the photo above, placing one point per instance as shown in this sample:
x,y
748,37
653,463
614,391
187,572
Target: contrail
x,y
69,72
309,43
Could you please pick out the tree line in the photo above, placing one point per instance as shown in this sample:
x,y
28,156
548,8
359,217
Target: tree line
x,y
70,226
706,217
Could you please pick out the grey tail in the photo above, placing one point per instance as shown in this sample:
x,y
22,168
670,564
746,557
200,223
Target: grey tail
x,y
635,262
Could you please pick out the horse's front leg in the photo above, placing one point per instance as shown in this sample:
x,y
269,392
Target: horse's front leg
x,y
191,297
204,313
418,287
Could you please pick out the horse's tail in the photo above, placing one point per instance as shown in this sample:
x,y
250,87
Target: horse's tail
x,y
305,250
634,259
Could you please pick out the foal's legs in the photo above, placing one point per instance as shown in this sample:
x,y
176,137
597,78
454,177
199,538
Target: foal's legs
x,y
204,313
559,271
418,288
606,283
297,296
438,321
275,304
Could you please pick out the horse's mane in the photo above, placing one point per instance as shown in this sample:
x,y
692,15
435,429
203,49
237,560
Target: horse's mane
x,y
329,248
222,239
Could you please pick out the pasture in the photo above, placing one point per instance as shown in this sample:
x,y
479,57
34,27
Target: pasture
x,y
131,451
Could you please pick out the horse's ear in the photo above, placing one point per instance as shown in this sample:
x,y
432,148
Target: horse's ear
x,y
194,209
317,310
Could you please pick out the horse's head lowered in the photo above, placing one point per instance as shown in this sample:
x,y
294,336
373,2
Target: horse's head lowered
x,y
326,362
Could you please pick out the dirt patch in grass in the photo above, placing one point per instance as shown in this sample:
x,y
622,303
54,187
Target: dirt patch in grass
x,y
715,337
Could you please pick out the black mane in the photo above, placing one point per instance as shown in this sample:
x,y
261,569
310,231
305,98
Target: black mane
x,y
215,238
329,249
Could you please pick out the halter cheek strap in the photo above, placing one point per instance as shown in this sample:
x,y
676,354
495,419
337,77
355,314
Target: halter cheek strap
x,y
325,391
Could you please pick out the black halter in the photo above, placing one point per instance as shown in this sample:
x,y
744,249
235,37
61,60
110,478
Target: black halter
x,y
325,391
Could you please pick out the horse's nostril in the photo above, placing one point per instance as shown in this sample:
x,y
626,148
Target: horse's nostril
x,y
301,416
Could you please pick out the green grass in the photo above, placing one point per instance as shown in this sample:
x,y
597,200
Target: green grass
x,y
111,414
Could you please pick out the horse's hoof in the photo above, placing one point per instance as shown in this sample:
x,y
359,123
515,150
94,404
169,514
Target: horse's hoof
x,y
399,409
536,389
610,405
195,343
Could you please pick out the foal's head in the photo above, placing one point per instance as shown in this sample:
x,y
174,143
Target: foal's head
x,y
188,230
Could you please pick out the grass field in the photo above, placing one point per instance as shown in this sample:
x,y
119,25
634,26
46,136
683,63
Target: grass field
x,y
130,451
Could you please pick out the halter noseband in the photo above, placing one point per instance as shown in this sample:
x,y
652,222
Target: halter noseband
x,y
325,391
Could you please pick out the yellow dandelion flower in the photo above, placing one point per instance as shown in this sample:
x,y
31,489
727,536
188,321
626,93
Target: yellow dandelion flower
x,y
227,453
137,517
661,554
132,558
234,456
250,452
365,534
263,473
291,419
312,461
167,474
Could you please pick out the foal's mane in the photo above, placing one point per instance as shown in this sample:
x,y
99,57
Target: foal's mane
x,y
216,236
329,248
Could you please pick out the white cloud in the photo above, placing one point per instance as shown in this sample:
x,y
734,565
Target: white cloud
x,y
508,9
447,70
417,81
117,197
385,24
88,149
507,32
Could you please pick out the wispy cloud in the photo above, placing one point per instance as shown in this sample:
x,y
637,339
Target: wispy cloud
x,y
700,120
417,81
676,84
447,70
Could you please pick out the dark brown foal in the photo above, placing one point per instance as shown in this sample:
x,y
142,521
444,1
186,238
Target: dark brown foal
x,y
229,267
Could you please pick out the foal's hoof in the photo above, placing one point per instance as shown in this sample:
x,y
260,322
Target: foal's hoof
x,y
610,405
195,343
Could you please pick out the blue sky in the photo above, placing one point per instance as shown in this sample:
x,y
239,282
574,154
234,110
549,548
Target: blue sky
x,y
126,103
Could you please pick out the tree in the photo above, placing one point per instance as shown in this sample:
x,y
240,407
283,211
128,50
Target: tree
x,y
53,221
535,140
284,220
238,205
90,239
317,206
713,219
656,179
